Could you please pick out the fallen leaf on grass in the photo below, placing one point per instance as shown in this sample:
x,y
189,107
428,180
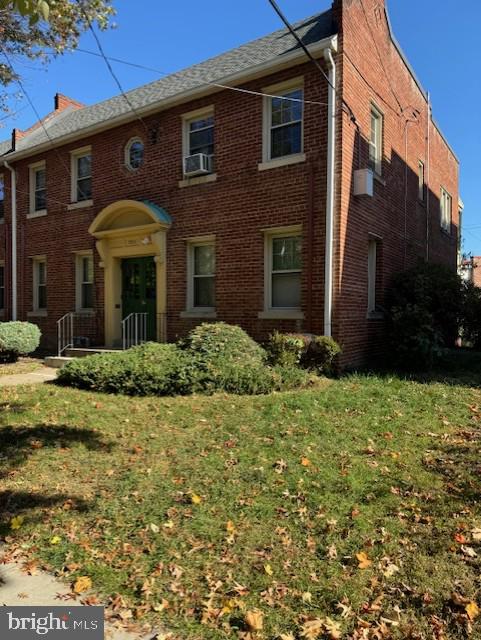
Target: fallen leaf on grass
x,y
254,620
363,560
16,522
312,629
268,569
55,540
196,499
472,610
82,584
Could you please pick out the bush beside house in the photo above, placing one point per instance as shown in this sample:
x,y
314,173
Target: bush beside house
x,y
18,339
213,357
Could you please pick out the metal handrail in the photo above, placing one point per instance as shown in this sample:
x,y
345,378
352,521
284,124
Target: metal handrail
x,y
134,330
65,333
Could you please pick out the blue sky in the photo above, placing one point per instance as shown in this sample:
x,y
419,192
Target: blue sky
x,y
441,41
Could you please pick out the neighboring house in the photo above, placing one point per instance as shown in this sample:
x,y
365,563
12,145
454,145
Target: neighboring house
x,y
470,270
290,212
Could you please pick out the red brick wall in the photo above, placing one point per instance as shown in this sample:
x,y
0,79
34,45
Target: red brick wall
x,y
244,200
394,214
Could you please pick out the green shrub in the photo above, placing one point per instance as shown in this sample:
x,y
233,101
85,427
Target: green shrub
x,y
471,321
286,349
321,353
414,343
18,339
212,341
149,369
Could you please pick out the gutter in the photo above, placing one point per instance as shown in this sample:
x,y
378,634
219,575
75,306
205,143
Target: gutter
x,y
331,164
284,61
14,238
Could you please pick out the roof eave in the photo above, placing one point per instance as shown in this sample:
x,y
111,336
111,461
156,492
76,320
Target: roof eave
x,y
272,66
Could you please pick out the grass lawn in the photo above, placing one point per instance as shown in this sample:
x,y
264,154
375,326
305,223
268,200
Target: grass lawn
x,y
346,511
24,365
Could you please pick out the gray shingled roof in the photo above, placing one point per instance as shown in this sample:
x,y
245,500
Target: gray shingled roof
x,y
260,51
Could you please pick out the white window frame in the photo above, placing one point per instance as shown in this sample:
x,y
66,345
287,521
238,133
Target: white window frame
x,y
421,181
445,220
79,256
75,155
192,243
33,169
127,153
37,260
187,119
281,89
270,312
376,149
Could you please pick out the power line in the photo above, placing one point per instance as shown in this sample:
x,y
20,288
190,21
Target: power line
x,y
110,68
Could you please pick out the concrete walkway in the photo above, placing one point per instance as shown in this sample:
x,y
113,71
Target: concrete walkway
x,y
18,588
45,374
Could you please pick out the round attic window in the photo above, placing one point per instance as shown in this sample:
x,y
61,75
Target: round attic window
x,y
134,153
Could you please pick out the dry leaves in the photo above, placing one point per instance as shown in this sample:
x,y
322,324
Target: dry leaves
x,y
82,584
363,560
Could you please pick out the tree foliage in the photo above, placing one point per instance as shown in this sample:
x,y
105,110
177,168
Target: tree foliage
x,y
38,29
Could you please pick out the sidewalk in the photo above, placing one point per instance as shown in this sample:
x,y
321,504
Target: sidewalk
x,y
45,374
18,588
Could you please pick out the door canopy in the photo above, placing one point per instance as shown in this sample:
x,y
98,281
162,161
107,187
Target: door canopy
x,y
125,216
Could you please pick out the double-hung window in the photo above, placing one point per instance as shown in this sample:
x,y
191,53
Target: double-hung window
x,y
38,188
2,197
375,141
85,281
283,121
421,182
81,175
446,206
2,287
201,274
39,284
283,270
198,138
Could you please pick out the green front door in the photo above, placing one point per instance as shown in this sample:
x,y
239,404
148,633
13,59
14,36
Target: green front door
x,y
139,290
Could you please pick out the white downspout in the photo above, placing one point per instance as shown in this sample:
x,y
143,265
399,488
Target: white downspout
x,y
14,238
331,164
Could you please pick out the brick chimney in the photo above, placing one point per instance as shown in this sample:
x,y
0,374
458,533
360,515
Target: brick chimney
x,y
61,102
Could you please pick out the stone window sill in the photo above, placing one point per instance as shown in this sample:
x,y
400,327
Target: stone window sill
x,y
83,204
37,214
212,315
281,314
375,315
39,313
282,162
191,182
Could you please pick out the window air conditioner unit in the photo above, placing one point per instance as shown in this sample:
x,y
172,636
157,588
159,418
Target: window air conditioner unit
x,y
197,165
364,182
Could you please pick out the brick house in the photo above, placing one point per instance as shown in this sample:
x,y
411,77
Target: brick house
x,y
248,188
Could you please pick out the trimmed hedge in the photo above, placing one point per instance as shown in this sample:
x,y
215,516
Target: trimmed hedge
x,y
317,353
212,358
18,339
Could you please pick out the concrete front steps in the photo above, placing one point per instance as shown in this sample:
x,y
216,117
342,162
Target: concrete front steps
x,y
57,362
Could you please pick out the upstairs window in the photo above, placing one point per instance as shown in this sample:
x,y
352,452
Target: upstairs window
x,y
421,182
134,154
81,175
38,188
201,136
198,142
446,206
375,141
2,197
284,122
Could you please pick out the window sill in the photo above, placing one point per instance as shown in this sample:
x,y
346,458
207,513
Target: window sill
x,y
375,315
281,314
37,214
2,220
39,313
190,182
83,204
199,314
379,179
282,162
85,312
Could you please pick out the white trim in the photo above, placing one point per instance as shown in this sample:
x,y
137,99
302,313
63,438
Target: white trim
x,y
75,155
284,61
191,182
279,89
127,153
295,158
445,197
79,255
82,204
269,311
36,261
187,118
379,146
32,174
191,244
